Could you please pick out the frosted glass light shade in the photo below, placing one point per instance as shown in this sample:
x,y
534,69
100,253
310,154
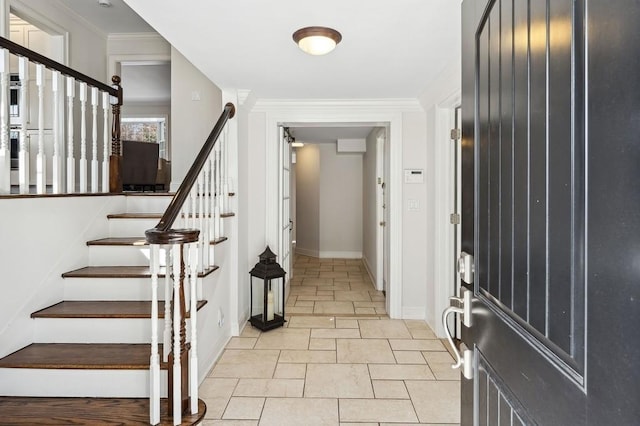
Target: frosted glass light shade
x,y
317,40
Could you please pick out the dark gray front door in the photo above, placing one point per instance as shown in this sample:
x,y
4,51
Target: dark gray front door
x,y
551,176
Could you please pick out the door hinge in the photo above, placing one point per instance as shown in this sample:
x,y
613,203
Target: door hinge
x,y
383,223
454,219
456,134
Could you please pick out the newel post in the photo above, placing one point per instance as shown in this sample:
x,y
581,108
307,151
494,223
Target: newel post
x,y
115,159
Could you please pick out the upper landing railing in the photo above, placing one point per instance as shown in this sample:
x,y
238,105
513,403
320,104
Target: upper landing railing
x,y
43,120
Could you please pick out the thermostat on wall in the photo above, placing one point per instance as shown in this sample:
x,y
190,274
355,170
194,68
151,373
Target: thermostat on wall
x,y
413,176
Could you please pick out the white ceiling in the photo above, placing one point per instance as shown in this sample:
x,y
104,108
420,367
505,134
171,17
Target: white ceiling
x,y
119,18
390,48
329,134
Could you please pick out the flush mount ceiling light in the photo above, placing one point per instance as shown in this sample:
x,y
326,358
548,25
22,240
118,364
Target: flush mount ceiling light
x,y
317,40
104,3
297,144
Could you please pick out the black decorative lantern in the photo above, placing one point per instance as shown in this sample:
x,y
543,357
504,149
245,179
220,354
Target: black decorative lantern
x,y
271,313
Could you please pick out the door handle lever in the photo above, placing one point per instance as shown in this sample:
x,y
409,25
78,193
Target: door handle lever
x,y
464,360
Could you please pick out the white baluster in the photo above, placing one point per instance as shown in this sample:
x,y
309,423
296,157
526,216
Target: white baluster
x,y
225,178
154,361
83,137
94,140
200,226
193,360
177,379
71,163
57,160
41,159
204,230
218,219
166,337
5,149
105,136
23,153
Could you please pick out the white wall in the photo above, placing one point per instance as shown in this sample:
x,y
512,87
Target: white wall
x,y
308,200
191,120
44,237
340,203
369,189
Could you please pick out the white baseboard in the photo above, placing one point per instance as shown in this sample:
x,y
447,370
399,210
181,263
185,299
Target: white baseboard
x,y
418,313
371,275
341,254
307,252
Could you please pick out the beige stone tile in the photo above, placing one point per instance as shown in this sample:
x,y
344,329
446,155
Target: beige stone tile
x,y
317,281
335,287
322,344
291,388
300,411
347,268
229,422
284,338
409,357
416,345
353,296
377,410
361,286
401,372
378,298
422,334
338,381
241,408
346,323
390,389
333,308
434,401
365,304
242,363
312,322
306,357
368,351
249,331
325,292
327,274
438,357
381,311
335,333
300,309
241,343
360,424
304,303
384,329
365,311
302,290
216,394
290,371
315,298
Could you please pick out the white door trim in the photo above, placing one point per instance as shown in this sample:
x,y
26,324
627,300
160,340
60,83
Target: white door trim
x,y
323,112
443,236
380,142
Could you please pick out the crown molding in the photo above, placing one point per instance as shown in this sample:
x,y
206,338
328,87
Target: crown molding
x,y
136,36
371,105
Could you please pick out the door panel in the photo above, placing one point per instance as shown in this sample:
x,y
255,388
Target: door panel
x,y
550,171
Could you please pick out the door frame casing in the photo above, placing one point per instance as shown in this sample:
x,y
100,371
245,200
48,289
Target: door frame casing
x,y
444,198
340,112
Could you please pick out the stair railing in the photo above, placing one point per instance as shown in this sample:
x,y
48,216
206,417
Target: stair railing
x,y
20,123
187,252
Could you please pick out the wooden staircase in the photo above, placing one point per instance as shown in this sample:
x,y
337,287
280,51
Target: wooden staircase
x,y
89,361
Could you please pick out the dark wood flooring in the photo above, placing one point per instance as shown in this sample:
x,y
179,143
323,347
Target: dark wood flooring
x,y
86,411
103,309
122,272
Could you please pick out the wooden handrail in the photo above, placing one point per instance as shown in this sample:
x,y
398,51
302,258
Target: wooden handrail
x,y
162,233
50,63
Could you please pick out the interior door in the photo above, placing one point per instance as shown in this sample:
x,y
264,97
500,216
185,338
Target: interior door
x,y
550,179
284,211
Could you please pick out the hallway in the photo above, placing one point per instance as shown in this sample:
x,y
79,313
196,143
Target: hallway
x,y
339,360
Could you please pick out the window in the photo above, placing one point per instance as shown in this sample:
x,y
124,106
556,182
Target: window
x,y
146,129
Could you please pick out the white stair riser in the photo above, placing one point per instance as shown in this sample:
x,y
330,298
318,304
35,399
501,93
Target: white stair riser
x,y
95,330
147,204
125,255
78,383
130,227
113,288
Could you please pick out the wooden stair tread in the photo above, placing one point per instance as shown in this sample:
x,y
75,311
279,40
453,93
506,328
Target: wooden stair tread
x,y
103,309
122,272
94,356
153,215
133,241
87,411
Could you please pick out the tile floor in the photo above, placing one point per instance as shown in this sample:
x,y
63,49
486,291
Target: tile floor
x,y
339,360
